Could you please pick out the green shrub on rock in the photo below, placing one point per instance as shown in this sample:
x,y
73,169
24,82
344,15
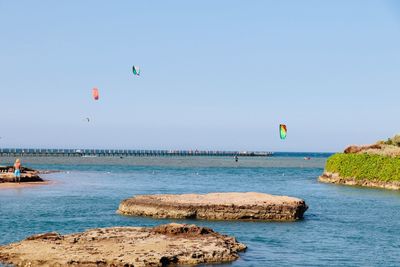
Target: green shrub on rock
x,y
365,166
396,140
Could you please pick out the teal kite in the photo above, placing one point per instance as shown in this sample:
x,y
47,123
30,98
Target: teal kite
x,y
136,70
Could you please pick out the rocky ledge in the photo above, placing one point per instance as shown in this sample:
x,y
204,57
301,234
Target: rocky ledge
x,y
334,178
125,246
216,206
27,175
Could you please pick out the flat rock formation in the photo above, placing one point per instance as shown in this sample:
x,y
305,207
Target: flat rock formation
x,y
125,246
334,178
27,175
216,206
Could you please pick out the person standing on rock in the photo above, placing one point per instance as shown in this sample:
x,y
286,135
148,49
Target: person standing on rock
x,y
17,170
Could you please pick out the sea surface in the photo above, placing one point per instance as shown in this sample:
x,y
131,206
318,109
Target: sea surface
x,y
344,226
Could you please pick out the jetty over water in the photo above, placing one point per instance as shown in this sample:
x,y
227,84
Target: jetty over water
x,y
33,152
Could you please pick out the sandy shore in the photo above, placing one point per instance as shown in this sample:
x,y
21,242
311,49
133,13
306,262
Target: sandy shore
x,y
22,185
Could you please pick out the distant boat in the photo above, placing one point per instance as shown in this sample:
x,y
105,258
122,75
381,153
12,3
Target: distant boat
x,y
307,158
89,156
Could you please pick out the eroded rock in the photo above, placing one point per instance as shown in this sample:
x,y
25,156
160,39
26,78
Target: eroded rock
x,y
334,178
125,246
216,206
357,149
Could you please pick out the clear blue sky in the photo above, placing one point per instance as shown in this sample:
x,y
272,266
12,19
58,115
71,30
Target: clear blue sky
x,y
215,74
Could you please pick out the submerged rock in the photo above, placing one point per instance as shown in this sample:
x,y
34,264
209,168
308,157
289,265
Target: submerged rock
x,y
125,246
216,206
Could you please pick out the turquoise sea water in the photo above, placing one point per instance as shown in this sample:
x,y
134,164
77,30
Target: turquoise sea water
x,y
344,226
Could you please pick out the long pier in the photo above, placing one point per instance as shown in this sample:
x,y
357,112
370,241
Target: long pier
x,y
32,152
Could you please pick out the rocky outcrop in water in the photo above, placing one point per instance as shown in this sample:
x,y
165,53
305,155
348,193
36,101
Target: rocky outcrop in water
x,y
216,206
125,246
27,175
375,165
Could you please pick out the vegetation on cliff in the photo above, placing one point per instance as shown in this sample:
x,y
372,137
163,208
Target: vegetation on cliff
x,y
395,141
365,166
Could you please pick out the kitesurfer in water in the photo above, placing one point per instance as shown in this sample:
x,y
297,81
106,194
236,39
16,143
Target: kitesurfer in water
x,y
236,158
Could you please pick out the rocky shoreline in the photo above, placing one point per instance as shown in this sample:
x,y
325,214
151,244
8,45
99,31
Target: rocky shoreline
x,y
163,245
334,178
376,165
216,206
27,175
